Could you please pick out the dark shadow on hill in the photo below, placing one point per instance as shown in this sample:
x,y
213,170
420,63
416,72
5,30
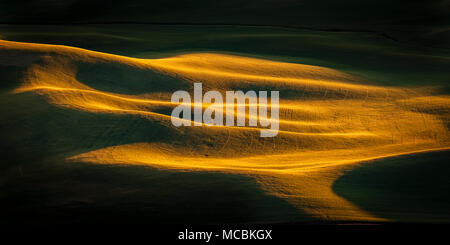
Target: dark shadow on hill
x,y
37,186
58,192
124,79
413,188
33,129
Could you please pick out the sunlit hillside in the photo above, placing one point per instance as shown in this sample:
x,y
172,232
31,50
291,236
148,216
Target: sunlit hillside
x,y
330,121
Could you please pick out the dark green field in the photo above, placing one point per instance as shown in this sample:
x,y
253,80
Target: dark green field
x,y
36,187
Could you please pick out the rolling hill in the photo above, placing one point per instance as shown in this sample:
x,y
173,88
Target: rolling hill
x,y
94,115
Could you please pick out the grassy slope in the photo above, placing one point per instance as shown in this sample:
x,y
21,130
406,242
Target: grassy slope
x,y
38,187
402,188
75,192
366,54
425,22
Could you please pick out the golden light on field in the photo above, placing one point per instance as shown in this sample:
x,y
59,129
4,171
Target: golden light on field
x,y
329,120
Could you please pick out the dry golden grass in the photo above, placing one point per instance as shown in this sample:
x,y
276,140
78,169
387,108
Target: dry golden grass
x,y
329,121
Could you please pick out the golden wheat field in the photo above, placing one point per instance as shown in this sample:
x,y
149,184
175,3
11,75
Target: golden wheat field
x,y
330,121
